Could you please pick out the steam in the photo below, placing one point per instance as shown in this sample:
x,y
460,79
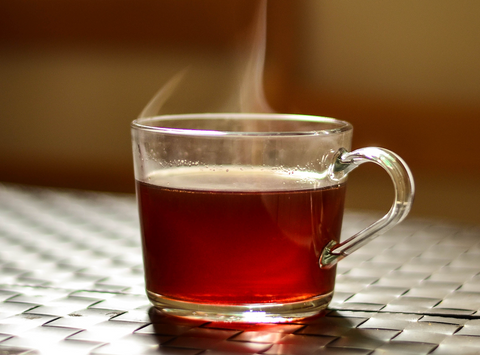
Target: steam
x,y
162,95
252,94
243,81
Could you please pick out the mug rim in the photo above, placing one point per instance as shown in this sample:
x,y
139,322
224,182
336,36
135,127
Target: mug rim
x,y
142,124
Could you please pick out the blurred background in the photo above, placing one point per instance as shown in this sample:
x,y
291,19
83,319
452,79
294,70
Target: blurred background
x,y
73,75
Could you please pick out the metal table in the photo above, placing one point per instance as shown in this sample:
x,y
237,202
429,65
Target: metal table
x,y
71,282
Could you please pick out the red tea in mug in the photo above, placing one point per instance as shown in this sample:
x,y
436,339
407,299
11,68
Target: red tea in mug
x,y
241,212
237,235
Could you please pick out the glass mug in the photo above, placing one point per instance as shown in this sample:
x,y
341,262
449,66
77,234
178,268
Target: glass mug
x,y
241,214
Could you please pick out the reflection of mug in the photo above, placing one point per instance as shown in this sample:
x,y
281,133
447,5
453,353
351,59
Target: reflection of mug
x,y
241,213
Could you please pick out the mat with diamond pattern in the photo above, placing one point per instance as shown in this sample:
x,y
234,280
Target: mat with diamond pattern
x,y
71,282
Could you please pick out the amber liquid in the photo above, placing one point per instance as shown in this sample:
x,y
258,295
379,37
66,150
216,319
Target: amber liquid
x,y
225,237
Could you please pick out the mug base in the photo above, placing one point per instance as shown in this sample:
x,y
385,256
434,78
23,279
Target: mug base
x,y
246,313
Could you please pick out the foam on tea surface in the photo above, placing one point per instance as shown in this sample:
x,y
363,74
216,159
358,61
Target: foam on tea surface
x,y
238,178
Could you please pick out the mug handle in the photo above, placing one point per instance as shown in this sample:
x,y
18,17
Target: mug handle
x,y
402,179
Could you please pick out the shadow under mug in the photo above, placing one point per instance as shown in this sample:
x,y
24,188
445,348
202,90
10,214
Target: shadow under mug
x,y
241,214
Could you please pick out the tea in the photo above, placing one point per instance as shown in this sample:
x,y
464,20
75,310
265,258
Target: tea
x,y
236,235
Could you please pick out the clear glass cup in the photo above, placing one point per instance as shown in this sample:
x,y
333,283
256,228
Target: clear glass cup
x,y
241,213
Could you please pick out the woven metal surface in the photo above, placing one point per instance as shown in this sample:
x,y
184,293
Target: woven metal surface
x,y
71,282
